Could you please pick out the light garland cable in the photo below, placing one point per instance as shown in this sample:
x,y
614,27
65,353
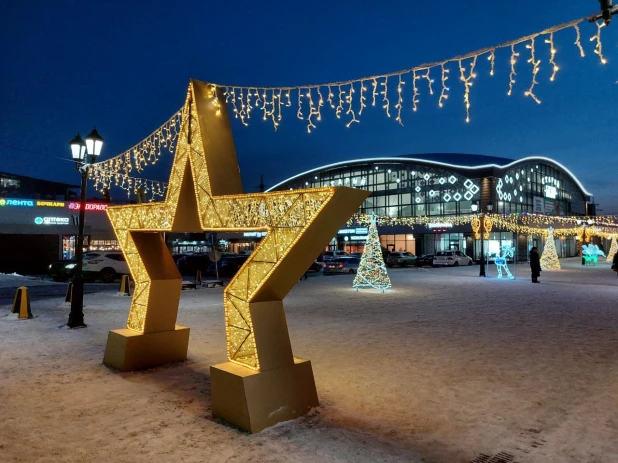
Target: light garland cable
x,y
535,69
599,44
552,56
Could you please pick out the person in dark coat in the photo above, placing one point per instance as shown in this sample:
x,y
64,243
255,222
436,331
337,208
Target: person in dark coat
x,y
615,263
535,264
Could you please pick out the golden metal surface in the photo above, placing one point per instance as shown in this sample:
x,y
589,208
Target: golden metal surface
x,y
205,193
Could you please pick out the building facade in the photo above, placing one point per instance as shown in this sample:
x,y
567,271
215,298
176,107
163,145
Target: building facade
x,y
436,186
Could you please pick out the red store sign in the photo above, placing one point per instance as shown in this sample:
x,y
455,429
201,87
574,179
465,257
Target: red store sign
x,y
89,206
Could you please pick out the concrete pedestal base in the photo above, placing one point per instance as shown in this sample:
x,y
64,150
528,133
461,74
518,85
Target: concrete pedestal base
x,y
254,400
127,350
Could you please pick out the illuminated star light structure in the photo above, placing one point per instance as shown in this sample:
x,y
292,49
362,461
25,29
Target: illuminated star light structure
x,y
372,271
549,258
612,249
591,253
263,383
506,251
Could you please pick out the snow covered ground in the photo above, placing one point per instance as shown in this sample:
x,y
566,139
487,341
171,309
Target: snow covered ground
x,y
444,367
8,280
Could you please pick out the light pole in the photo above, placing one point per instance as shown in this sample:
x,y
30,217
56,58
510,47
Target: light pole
x,y
81,151
475,208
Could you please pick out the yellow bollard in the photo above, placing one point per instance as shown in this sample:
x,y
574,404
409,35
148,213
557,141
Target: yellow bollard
x,y
125,288
69,294
198,278
21,304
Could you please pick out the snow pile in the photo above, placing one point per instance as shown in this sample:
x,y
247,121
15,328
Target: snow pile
x,y
444,367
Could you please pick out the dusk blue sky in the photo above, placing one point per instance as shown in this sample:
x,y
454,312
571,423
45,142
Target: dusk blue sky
x,y
124,66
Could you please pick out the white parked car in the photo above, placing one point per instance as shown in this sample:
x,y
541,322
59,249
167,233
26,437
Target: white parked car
x,y
106,265
451,258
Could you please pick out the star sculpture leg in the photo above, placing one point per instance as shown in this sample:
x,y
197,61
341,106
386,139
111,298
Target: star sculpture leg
x,y
263,383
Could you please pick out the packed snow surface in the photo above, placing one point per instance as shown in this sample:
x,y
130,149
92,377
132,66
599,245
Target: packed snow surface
x,y
444,367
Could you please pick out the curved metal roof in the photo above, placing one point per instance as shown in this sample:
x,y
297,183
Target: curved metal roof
x,y
454,160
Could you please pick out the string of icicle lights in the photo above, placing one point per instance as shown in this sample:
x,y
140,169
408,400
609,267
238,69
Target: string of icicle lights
x,y
116,170
348,99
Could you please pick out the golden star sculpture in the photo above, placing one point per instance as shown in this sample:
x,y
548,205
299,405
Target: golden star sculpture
x,y
205,193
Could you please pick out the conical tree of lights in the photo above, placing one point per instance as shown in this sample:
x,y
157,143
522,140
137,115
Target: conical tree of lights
x,y
612,249
372,270
549,258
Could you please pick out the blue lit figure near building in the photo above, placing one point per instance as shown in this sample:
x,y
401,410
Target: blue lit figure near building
x,y
506,251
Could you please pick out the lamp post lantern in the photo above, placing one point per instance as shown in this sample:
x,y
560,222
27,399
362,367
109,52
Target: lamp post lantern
x,y
82,152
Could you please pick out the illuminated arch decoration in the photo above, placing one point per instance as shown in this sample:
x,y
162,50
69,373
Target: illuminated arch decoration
x,y
591,253
205,193
506,251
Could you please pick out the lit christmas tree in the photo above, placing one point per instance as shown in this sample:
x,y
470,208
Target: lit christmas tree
x,y
549,258
372,271
612,249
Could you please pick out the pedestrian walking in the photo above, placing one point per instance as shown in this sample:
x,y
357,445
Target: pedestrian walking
x,y
535,264
615,263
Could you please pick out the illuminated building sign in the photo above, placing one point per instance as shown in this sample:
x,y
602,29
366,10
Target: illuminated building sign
x,y
440,225
89,206
256,234
551,191
50,203
17,202
52,221
353,231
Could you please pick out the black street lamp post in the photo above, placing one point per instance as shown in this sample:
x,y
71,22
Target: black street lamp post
x,y
79,149
475,208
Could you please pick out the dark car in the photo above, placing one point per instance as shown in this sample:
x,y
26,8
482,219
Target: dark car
x,y
62,270
426,260
191,263
341,265
227,265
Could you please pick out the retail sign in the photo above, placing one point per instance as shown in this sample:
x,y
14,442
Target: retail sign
x,y
538,205
353,231
89,206
16,202
50,203
440,225
256,234
52,220
551,191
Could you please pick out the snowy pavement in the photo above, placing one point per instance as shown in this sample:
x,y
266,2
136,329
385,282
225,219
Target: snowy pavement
x,y
444,367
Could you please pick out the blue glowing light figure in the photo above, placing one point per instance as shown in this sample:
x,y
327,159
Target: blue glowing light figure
x,y
591,253
506,251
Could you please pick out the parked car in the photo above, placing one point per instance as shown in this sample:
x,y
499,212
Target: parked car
x,y
104,265
403,259
451,258
191,263
329,255
424,260
341,265
228,265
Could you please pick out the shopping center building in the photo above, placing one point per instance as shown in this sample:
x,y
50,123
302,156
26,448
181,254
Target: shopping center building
x,y
439,186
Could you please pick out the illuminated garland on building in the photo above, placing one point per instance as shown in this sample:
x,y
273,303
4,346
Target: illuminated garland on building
x,y
347,99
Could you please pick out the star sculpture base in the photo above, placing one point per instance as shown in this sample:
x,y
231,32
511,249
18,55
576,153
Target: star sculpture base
x,y
255,400
128,351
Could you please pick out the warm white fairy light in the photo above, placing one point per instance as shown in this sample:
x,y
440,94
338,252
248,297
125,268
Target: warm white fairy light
x,y
362,97
271,113
243,109
233,98
512,75
598,50
350,101
384,93
578,42
535,69
427,76
288,96
340,105
320,104
552,56
330,97
467,84
415,91
399,104
374,91
443,94
492,60
299,113
312,112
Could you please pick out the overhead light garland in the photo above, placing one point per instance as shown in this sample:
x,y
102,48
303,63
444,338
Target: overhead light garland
x,y
350,107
